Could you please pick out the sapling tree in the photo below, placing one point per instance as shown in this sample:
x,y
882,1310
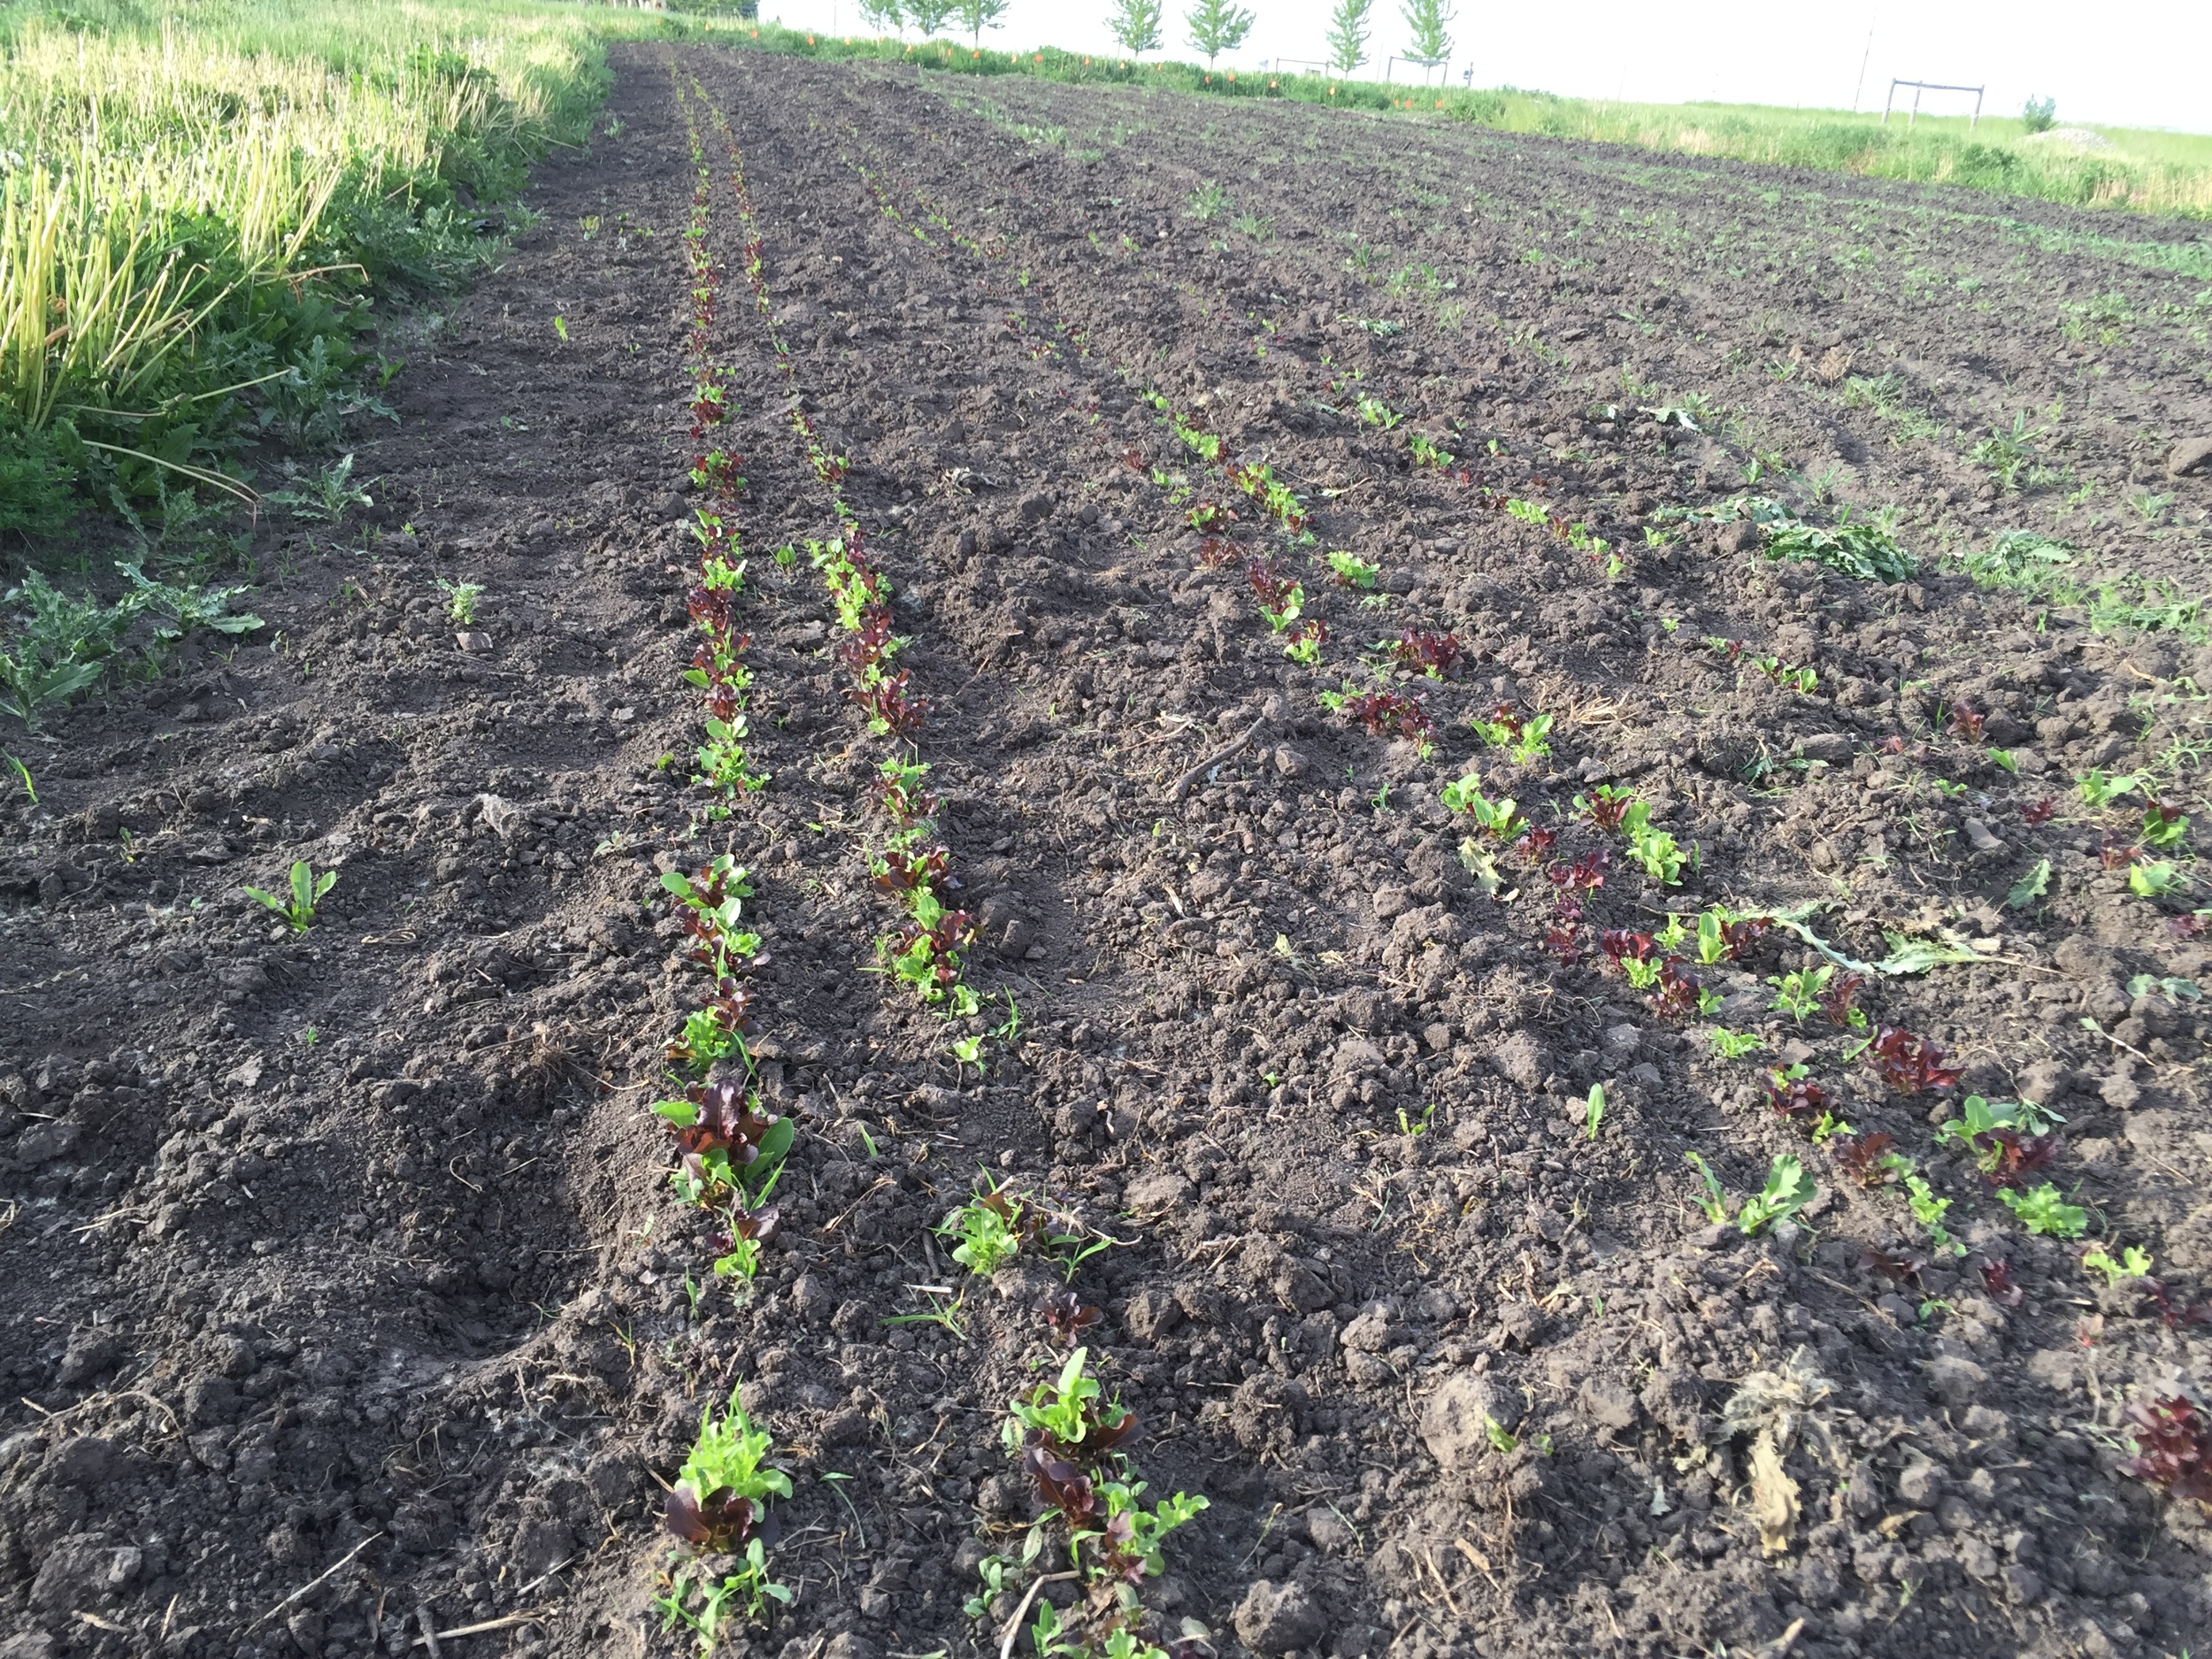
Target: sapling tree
x,y
1429,45
929,16
1136,25
1216,26
1347,35
977,15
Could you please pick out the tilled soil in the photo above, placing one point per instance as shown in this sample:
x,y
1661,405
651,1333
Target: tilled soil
x,y
348,1296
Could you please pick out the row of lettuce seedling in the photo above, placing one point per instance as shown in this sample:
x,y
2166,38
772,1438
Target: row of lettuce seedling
x,y
2005,1141
1072,1442
907,860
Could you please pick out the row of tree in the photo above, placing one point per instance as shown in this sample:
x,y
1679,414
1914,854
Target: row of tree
x,y
1214,27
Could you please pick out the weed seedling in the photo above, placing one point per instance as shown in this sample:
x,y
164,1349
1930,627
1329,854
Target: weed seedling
x,y
308,889
460,600
1714,1202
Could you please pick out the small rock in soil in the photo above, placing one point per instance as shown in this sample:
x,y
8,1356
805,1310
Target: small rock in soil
x,y
1278,1619
1455,1422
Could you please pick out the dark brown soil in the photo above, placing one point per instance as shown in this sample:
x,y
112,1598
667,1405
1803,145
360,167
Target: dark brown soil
x,y
342,1279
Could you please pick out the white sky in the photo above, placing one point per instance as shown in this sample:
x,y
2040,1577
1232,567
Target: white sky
x,y
2138,62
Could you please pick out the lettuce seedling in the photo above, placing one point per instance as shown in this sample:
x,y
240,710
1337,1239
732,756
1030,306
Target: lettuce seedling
x,y
2044,1212
715,1032
1966,722
1067,1316
1838,1000
2098,790
2154,878
1998,1286
1303,642
926,952
720,1496
2134,1262
1281,599
1382,712
1733,1045
1498,819
2173,1447
1866,1159
992,1227
718,1507
307,890
728,1143
1436,655
1788,1189
1426,452
1655,850
1351,571
1908,1063
2164,823
1798,994
1926,1208
1068,1418
1605,807
1896,1269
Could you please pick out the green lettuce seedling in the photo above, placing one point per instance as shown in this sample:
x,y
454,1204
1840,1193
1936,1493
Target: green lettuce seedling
x,y
2043,1211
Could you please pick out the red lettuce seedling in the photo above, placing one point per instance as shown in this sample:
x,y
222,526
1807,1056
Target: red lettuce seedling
x,y
1436,655
725,1140
2173,1447
1864,1158
2040,813
1796,1098
1535,843
1966,722
1620,945
900,870
1896,1269
2175,1317
1063,1485
1564,942
1216,551
1383,713
1997,1282
1838,1000
1066,1317
2005,1155
1739,939
1586,873
1069,1419
713,1032
1909,1064
891,711
1678,995
1606,807
2187,926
